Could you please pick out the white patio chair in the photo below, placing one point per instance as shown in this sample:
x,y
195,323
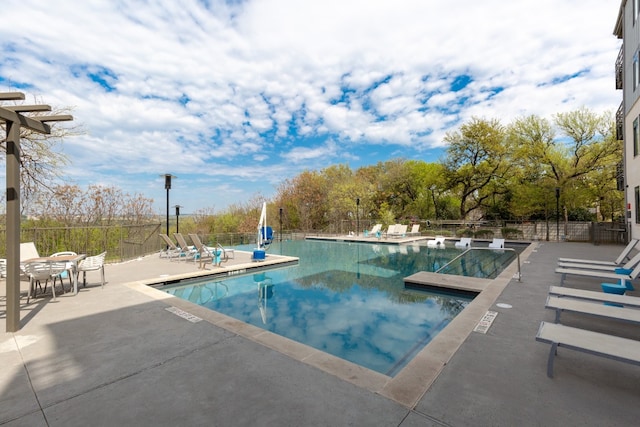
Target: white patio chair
x,y
91,263
69,269
39,271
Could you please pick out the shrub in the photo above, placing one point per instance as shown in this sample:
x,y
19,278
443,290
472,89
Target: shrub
x,y
511,233
464,232
483,234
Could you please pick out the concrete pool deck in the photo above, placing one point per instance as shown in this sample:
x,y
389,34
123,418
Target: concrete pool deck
x,y
117,356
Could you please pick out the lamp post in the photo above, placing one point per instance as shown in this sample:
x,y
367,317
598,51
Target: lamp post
x,y
177,218
557,213
357,216
280,224
167,186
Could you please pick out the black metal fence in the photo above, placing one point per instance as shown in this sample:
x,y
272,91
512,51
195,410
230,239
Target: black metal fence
x,y
125,242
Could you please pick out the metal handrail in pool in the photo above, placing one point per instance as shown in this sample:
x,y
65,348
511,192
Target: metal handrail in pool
x,y
484,249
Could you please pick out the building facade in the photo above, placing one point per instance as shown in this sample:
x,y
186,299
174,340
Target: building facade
x,y
627,76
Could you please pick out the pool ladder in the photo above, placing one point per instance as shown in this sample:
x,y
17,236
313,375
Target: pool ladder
x,y
485,249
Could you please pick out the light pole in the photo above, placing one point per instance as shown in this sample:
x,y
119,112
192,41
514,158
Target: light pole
x,y
357,216
167,186
177,218
557,213
280,224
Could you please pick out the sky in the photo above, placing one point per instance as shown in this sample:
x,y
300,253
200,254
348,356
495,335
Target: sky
x,y
235,97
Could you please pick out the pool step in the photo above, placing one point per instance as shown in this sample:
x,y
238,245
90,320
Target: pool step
x,y
429,280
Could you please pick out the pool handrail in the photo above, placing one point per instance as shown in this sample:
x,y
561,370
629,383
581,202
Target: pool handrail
x,y
484,249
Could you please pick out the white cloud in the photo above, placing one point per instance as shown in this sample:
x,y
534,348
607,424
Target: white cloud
x,y
232,85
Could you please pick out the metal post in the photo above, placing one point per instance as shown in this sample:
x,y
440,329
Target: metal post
x,y
167,186
557,213
357,216
281,224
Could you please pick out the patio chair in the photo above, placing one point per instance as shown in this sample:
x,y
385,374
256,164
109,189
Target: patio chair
x,y
497,244
27,251
172,251
464,242
621,258
438,242
187,251
91,263
39,271
69,270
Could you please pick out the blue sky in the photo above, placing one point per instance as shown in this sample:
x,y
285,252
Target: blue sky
x,y
233,97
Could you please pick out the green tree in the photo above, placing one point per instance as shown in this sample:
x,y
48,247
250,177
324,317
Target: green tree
x,y
477,162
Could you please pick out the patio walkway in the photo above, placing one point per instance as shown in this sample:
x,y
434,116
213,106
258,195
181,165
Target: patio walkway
x,y
117,356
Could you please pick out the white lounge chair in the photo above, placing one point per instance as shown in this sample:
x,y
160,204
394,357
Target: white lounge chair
x,y
376,228
594,309
621,258
187,252
464,242
172,251
390,230
595,343
624,279
602,297
497,244
438,242
415,230
628,265
399,231
210,252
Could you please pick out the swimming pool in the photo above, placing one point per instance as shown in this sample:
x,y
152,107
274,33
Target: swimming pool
x,y
346,299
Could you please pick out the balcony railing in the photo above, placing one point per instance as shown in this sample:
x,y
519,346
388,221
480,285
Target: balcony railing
x,y
620,122
620,68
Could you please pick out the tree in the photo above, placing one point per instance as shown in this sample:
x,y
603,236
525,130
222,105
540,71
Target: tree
x,y
478,155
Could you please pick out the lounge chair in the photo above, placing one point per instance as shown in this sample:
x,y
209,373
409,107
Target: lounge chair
x,y
622,278
438,242
621,258
627,266
598,344
415,230
581,294
399,231
375,229
588,307
464,242
172,251
497,244
210,252
187,252
390,230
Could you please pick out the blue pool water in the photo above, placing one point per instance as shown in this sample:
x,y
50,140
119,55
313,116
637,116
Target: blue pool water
x,y
347,299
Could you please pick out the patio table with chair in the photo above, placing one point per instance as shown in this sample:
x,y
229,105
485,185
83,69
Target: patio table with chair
x,y
53,266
